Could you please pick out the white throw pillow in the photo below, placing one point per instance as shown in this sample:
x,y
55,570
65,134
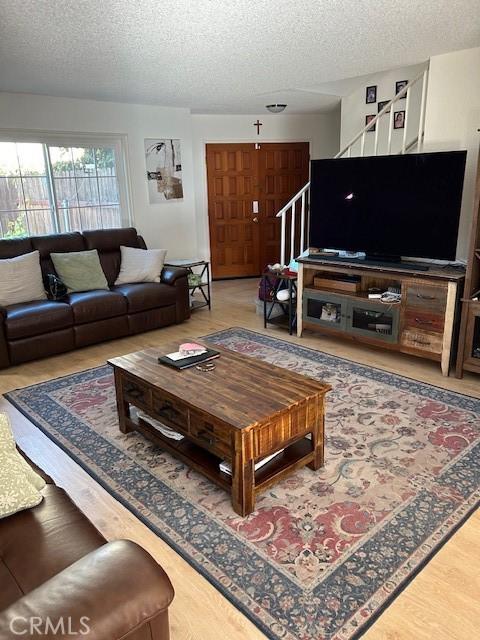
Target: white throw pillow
x,y
21,279
140,265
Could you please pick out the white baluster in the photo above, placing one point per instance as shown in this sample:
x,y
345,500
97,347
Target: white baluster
x,y
362,144
302,225
361,134
307,215
390,129
405,123
377,128
292,233
421,123
282,240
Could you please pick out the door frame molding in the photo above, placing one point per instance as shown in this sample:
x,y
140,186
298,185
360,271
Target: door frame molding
x,y
203,220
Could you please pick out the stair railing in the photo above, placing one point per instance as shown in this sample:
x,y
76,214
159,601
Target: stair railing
x,y
292,207
303,196
423,78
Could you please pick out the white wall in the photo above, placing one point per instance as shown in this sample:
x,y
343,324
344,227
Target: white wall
x,y
453,119
354,110
321,130
451,122
170,225
179,226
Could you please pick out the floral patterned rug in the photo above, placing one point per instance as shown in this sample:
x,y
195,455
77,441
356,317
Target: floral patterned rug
x,y
325,551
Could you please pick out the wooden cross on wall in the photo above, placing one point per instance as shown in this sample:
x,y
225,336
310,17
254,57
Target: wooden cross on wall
x,y
258,124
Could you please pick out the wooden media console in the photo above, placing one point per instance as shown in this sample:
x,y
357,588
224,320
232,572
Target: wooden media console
x,y
424,323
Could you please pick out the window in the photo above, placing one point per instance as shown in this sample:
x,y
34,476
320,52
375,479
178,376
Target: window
x,y
49,188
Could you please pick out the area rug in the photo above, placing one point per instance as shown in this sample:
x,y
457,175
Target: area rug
x,y
324,552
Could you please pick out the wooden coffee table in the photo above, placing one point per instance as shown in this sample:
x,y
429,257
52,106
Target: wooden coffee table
x,y
241,412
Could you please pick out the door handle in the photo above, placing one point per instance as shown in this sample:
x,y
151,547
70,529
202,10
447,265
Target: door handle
x,y
255,219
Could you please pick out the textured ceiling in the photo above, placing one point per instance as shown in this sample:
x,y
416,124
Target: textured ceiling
x,y
221,56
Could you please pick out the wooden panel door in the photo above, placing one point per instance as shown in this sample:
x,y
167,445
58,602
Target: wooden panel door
x,y
283,171
232,180
243,242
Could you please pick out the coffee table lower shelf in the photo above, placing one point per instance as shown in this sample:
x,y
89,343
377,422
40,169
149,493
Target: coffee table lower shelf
x,y
294,456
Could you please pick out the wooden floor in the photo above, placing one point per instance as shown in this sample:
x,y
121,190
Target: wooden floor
x,y
442,603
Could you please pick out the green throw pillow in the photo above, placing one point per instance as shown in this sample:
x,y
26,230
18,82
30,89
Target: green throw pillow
x,y
19,484
80,270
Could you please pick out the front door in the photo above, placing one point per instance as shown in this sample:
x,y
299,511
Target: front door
x,y
283,171
247,185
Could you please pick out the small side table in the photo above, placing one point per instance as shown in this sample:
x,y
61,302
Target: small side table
x,y
289,306
203,285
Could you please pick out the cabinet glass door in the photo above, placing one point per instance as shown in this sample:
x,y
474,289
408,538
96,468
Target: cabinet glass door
x,y
377,321
476,338
325,309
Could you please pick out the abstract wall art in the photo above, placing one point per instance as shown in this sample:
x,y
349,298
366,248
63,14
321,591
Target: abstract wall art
x,y
164,169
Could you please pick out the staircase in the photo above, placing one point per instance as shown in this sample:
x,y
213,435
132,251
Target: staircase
x,y
298,207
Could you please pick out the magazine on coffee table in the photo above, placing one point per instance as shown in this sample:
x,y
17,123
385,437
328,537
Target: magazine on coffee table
x,y
173,360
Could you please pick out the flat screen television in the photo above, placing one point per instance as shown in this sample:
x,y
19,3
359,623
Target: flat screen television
x,y
388,206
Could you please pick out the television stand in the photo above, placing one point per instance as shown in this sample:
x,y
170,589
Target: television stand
x,y
372,261
423,324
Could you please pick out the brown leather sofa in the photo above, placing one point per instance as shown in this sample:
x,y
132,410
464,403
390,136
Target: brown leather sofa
x,y
58,573
33,330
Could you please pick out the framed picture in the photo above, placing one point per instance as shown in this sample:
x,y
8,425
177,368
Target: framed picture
x,y
368,119
382,104
399,85
164,169
371,94
399,119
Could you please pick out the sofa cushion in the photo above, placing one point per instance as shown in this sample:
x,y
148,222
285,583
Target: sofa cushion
x,y
56,243
108,242
38,543
147,295
35,318
42,346
89,306
13,247
111,239
10,591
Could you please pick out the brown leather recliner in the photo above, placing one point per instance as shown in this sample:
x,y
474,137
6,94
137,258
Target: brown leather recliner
x,y
58,573
40,328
